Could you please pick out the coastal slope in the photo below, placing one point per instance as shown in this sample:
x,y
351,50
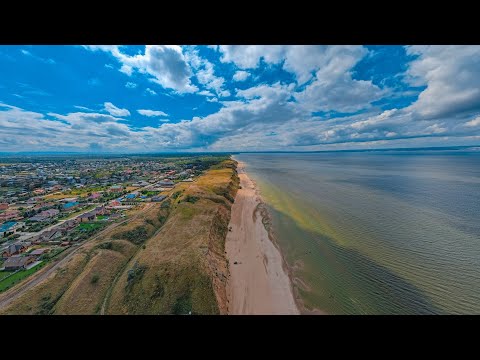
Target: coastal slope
x,y
258,283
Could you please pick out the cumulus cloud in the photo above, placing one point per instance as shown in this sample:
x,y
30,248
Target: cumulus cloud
x,y
205,74
241,75
115,111
130,85
151,113
279,115
165,64
452,77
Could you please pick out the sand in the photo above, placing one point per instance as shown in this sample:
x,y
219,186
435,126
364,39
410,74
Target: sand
x,y
258,283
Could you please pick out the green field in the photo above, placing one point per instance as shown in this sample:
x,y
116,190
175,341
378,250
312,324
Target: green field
x,y
6,284
102,217
90,226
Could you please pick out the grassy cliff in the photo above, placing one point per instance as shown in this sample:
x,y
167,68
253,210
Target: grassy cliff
x,y
183,268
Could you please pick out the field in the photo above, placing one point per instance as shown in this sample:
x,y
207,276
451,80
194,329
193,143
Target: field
x,y
90,226
102,217
7,283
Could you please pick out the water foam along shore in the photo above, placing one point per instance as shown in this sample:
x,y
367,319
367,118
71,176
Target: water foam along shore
x,y
258,282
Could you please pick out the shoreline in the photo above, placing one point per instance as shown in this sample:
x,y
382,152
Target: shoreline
x,y
260,281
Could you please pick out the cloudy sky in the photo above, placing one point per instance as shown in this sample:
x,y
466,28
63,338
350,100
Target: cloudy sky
x,y
237,97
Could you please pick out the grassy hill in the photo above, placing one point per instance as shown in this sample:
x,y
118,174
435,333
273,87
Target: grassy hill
x,y
183,268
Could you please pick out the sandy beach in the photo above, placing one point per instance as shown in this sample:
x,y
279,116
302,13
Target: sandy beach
x,y
258,283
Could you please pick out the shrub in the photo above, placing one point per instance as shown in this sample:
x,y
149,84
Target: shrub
x,y
191,199
94,279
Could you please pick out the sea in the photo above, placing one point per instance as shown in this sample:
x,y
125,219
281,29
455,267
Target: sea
x,y
383,232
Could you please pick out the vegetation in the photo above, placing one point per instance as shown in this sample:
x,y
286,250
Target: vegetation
x,y
94,279
136,236
7,283
177,277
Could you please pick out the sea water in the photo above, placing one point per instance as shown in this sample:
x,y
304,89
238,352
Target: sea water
x,y
377,232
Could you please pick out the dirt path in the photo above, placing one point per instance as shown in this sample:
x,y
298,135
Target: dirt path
x,y
12,294
258,283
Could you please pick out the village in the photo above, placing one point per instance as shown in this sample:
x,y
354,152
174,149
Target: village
x,y
47,207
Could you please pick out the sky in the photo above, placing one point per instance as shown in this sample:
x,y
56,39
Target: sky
x,y
154,98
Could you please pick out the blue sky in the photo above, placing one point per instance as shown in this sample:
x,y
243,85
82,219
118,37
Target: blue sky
x,y
237,97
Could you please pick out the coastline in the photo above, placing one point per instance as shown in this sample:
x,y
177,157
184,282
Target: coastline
x,y
260,281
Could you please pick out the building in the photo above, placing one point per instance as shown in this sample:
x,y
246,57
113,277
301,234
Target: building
x,y
158,198
3,206
10,215
45,215
38,252
167,183
18,262
14,249
116,189
89,216
49,235
95,196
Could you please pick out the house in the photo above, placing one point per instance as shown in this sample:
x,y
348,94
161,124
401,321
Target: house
x,y
49,235
167,183
3,206
38,191
65,243
70,206
116,189
38,252
69,224
89,216
18,262
45,215
14,249
10,215
100,210
158,198
95,196
131,196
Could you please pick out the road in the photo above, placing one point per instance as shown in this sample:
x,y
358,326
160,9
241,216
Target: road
x,y
12,294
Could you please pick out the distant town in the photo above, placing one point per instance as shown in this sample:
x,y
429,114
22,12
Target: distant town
x,y
49,205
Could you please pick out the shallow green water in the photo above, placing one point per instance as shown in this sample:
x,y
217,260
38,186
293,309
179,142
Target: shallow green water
x,y
377,233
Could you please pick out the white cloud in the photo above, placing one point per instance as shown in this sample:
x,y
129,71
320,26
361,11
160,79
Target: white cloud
x,y
82,108
151,113
130,85
241,75
474,122
165,64
205,73
115,111
150,91
452,76
205,93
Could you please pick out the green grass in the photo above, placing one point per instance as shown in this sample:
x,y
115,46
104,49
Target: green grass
x,y
4,274
102,217
90,226
6,284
